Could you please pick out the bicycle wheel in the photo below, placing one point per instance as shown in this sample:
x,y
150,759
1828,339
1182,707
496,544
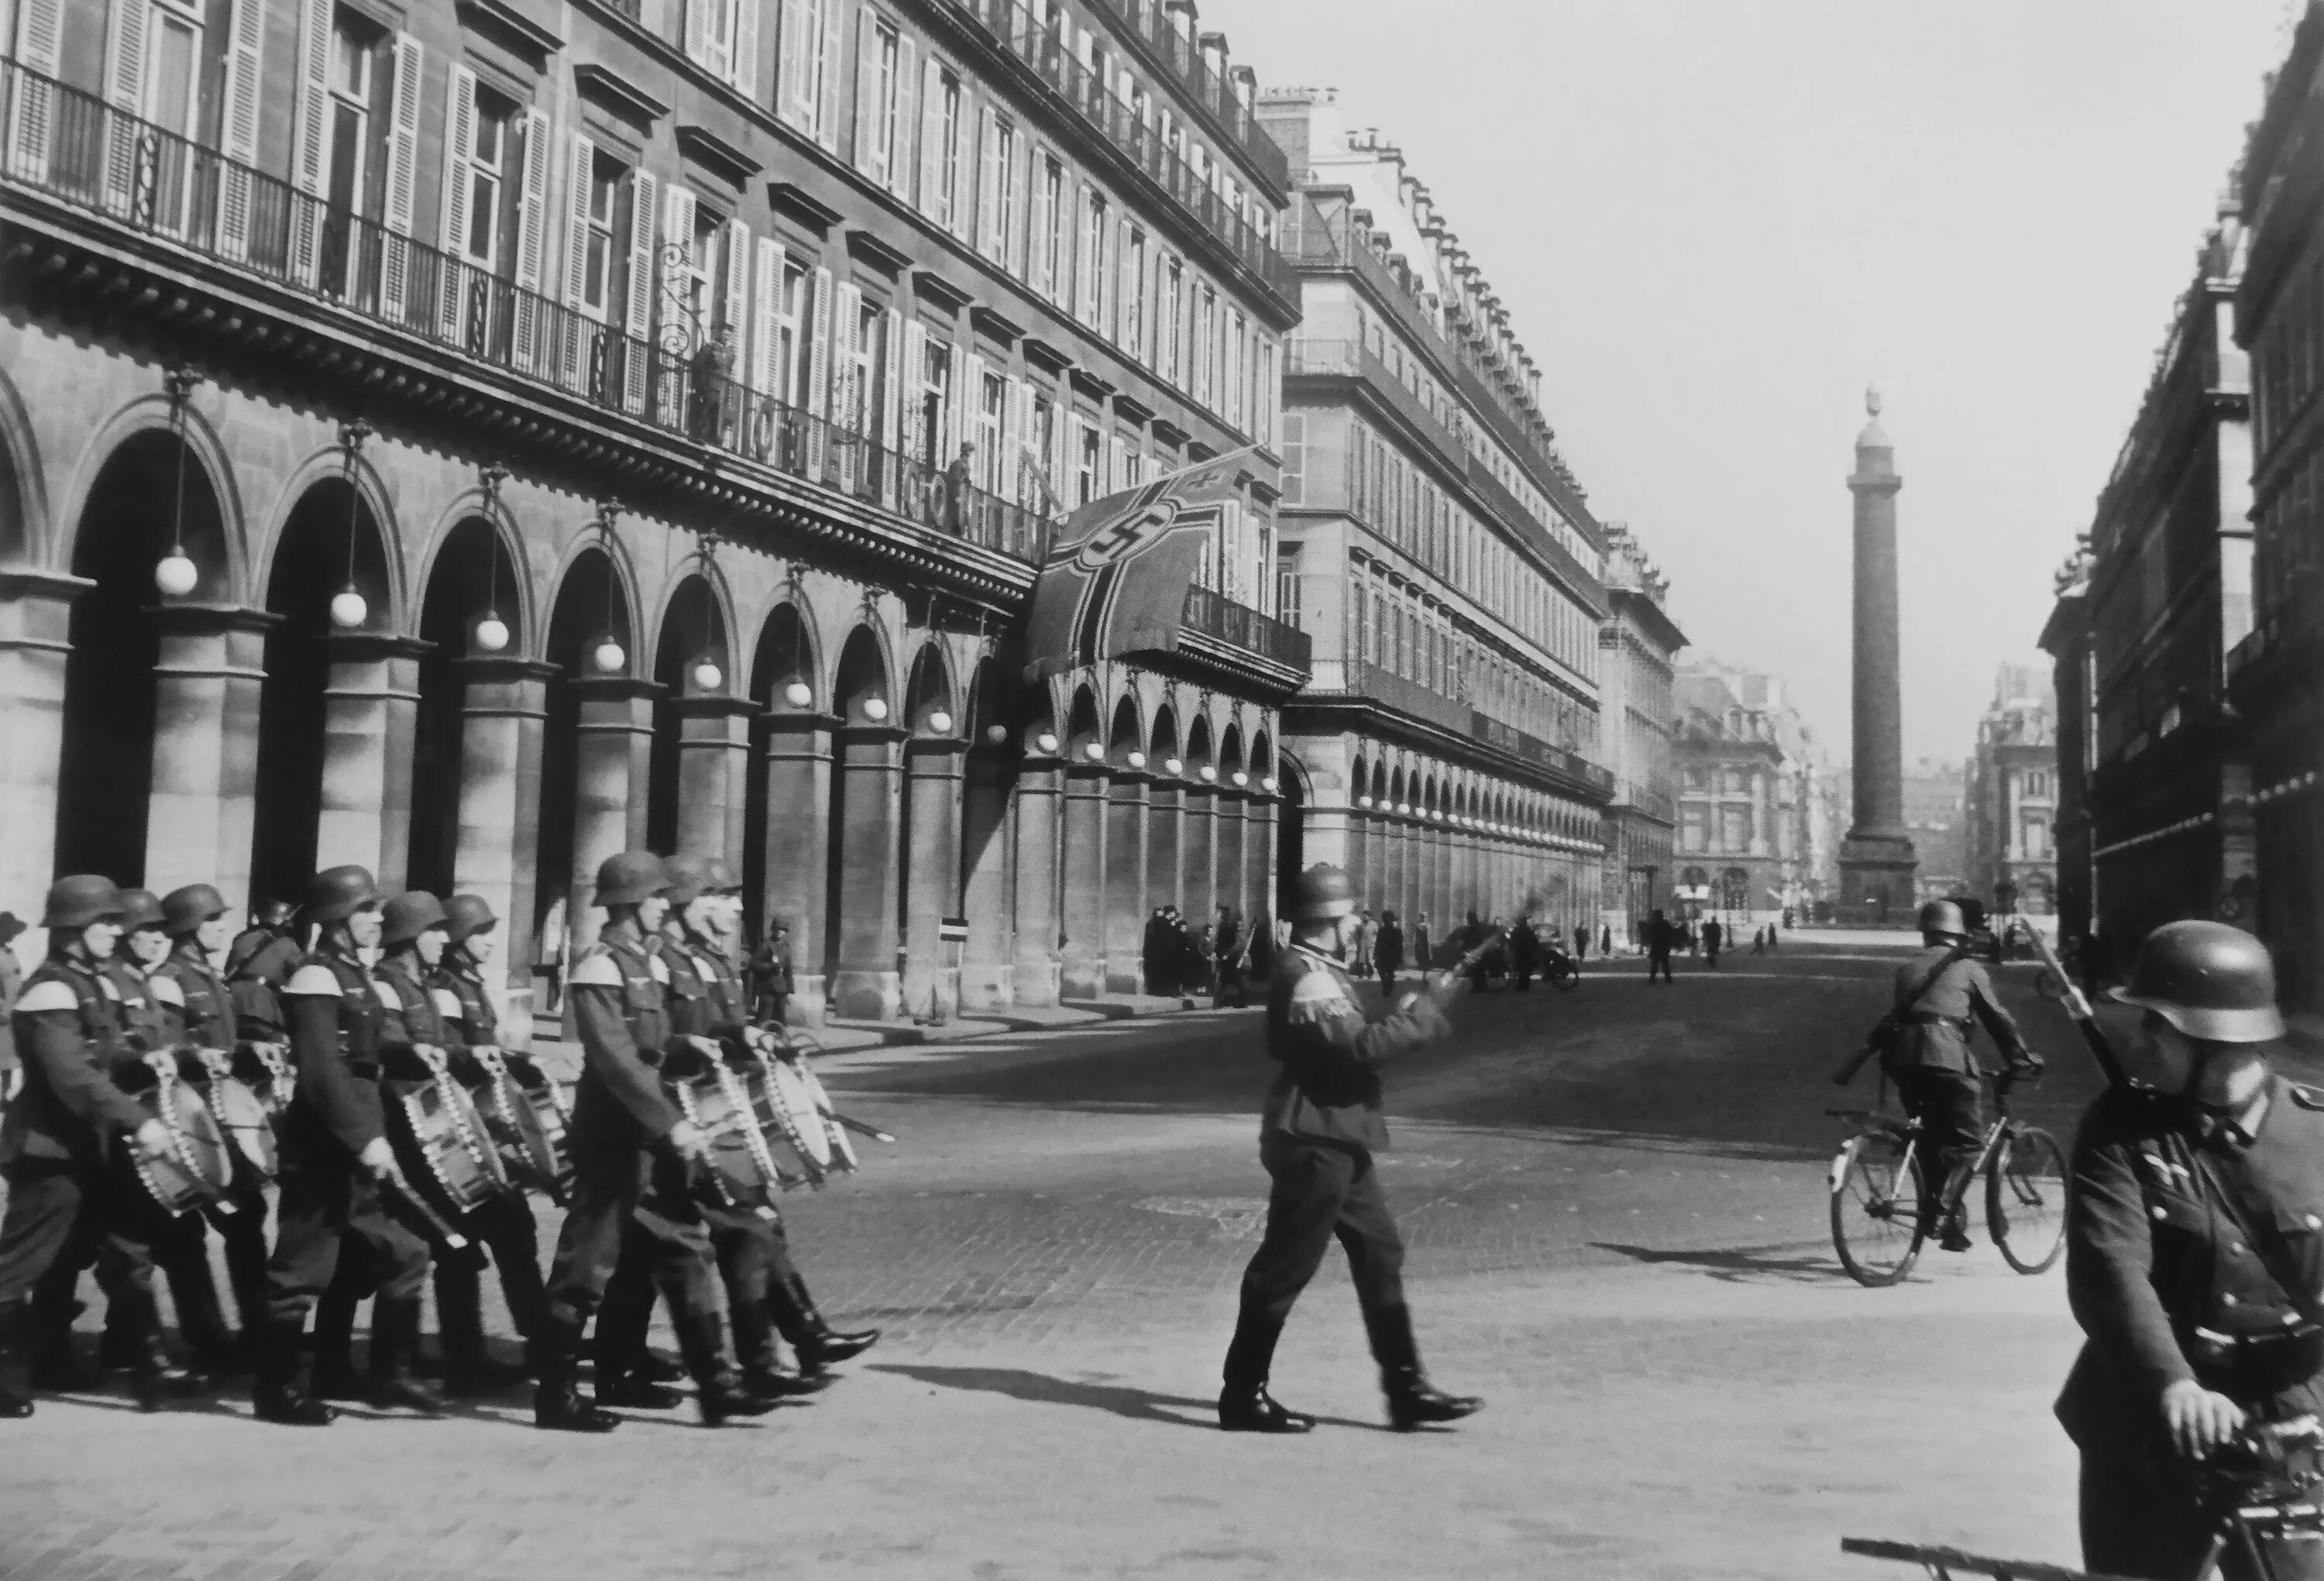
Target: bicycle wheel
x,y
2025,1199
1876,1208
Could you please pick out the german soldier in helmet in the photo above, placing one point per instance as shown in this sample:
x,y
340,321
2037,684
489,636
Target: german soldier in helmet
x,y
337,1164
1320,1129
1941,995
2194,1253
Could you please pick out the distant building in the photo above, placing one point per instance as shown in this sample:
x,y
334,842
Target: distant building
x,y
1934,799
2010,854
1754,816
1638,646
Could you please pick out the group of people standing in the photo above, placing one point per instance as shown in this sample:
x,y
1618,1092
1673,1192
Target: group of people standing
x,y
1222,959
355,1002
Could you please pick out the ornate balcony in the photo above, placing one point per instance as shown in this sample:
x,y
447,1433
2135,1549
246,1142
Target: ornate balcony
x,y
1284,647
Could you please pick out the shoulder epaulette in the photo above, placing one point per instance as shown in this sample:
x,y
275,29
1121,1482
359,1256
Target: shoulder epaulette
x,y
1318,996
660,968
447,1003
315,979
46,995
166,989
596,970
389,998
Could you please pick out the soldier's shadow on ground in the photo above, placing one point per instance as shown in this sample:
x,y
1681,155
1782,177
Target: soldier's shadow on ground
x,y
1121,1400
1740,1265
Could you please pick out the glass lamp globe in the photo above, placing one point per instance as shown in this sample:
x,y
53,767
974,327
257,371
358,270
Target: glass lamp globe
x,y
608,656
1209,774
1046,742
1138,759
176,574
707,675
1094,752
875,709
798,694
996,734
1241,777
1363,800
941,723
491,632
1174,766
1267,784
348,609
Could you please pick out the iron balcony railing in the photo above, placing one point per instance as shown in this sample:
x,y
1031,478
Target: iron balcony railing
x,y
80,150
1023,34
1214,614
1182,57
1534,751
1382,685
1579,580
1348,359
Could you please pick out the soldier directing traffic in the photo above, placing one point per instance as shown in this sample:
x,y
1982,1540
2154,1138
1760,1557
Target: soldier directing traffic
x,y
2194,1253
1321,1128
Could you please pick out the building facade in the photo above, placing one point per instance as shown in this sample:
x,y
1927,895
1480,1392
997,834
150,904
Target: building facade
x,y
1752,799
1933,817
2271,672
2010,797
555,427
2154,819
1639,647
1441,556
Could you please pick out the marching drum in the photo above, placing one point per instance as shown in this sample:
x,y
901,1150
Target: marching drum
x,y
447,1150
843,1150
199,1166
246,1118
264,1068
794,1108
526,1126
717,1108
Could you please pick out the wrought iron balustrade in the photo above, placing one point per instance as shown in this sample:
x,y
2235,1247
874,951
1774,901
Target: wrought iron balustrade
x,y
1215,615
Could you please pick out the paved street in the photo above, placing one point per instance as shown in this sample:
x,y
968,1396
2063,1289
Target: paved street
x,y
1615,1205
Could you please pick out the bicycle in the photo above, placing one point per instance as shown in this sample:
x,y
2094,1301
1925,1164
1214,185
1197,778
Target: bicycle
x,y
1880,1207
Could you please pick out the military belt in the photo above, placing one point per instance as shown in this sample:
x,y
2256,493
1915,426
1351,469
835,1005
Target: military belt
x,y
2247,1366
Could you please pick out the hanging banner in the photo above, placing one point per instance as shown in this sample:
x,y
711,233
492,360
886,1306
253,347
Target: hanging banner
x,y
1117,575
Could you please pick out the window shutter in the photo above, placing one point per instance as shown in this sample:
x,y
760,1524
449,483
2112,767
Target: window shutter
x,y
766,302
124,90
697,31
891,380
959,213
927,198
531,237
1061,457
675,330
459,137
867,93
1117,464
580,174
899,173
746,49
1038,238
246,45
795,69
1125,292
735,311
967,416
1013,245
1011,462
850,384
826,97
989,239
402,178
913,436
818,356
638,317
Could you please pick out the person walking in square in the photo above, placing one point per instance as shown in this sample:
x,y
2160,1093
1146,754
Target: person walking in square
x,y
1713,935
1661,935
1388,953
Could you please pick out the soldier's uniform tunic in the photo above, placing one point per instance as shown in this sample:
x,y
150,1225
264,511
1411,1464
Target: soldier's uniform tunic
x,y
2163,1275
1321,1125
198,1009
1929,1057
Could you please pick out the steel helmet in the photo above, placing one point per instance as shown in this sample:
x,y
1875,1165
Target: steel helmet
x,y
722,878
338,893
81,900
274,915
1320,893
184,910
1944,916
467,914
628,876
689,877
139,908
2213,982
409,916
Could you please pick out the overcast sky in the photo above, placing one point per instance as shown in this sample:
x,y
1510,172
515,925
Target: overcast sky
x,y
1715,222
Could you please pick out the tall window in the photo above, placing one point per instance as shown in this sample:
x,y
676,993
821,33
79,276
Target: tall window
x,y
1206,345
1133,300
1171,332
888,88
991,404
1093,268
1089,465
946,153
1289,603
790,318
598,252
1051,245
935,399
351,91
1004,190
173,33
488,156
860,394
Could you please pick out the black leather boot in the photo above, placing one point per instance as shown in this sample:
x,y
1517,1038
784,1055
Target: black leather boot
x,y
718,1396
470,1371
820,1344
1244,1404
771,1383
276,1393
1412,1400
153,1379
16,1361
394,1337
557,1403
55,1362
335,1375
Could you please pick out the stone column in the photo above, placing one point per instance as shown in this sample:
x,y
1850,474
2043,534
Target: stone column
x,y
1041,795
1082,919
932,791
714,766
503,714
371,710
1336,835
1394,836
1125,882
868,983
205,798
615,739
987,827
1260,822
799,849
1876,862
1232,827
1164,798
35,625
1198,827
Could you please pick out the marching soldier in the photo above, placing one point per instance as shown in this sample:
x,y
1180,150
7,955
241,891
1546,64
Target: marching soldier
x,y
1941,995
272,923
2194,1253
338,1166
198,1009
470,1022
1321,1128
634,1157
63,1142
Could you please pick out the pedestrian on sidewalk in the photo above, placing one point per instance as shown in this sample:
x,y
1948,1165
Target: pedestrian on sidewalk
x,y
1660,936
1388,952
1423,944
1606,941
1713,935
1581,943
1525,954
1321,1128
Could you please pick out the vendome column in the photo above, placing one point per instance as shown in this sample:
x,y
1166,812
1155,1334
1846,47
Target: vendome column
x,y
1877,859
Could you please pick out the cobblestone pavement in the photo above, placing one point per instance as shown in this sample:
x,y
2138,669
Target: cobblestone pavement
x,y
1615,1208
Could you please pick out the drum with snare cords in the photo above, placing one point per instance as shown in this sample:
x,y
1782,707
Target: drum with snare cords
x,y
792,1108
843,1149
717,1108
443,1141
265,1068
199,1166
524,1122
246,1118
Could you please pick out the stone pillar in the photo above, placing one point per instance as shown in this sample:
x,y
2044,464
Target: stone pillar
x,y
35,625
1259,824
714,766
799,849
1164,798
1041,793
1336,835
1125,882
932,791
868,983
1876,862
616,743
371,712
503,714
987,829
1198,833
1232,827
1082,921
205,798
